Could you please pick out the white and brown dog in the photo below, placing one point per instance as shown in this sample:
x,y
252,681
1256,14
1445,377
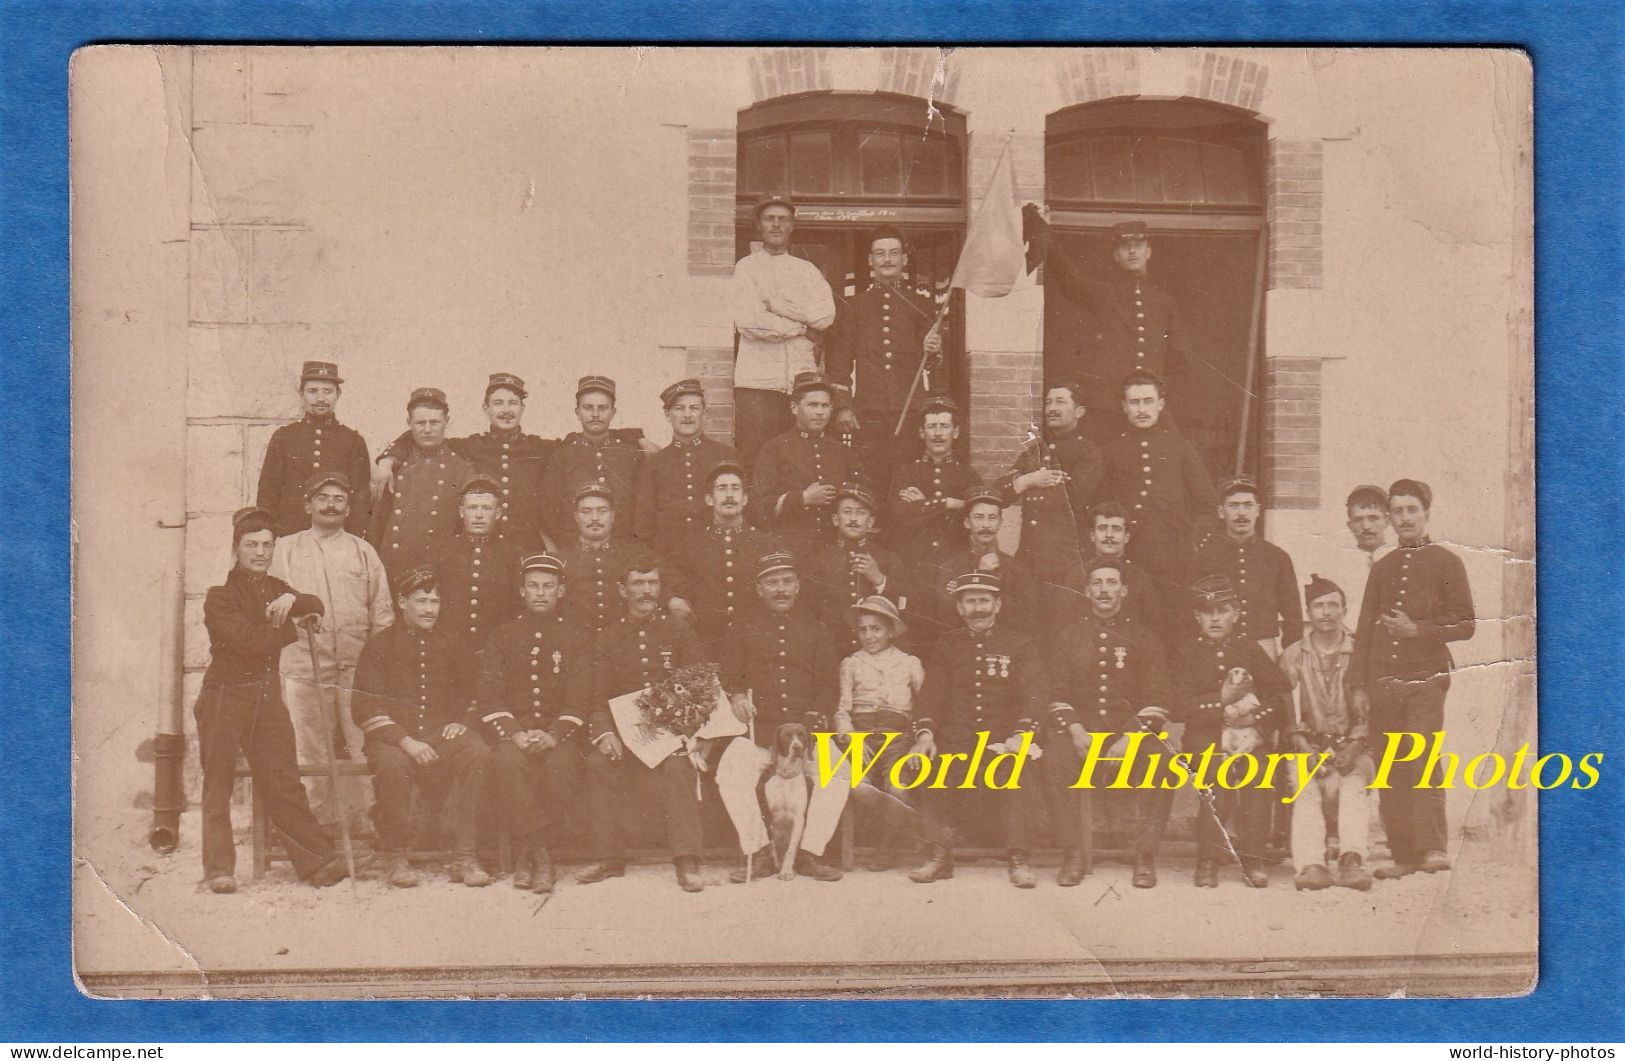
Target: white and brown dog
x,y
786,790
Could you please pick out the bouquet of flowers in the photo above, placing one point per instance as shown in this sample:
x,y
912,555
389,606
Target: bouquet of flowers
x,y
681,704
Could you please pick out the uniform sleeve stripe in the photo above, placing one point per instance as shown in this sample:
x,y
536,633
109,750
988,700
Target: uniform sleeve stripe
x,y
570,718
376,722
496,715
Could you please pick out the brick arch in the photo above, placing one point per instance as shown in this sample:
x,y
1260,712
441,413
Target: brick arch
x,y
789,71
1090,74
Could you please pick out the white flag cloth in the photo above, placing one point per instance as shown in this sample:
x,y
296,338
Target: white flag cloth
x,y
993,257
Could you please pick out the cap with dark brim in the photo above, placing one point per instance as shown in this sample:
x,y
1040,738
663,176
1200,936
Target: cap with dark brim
x,y
542,562
505,380
322,370
976,580
778,560
321,479
595,383
682,388
413,579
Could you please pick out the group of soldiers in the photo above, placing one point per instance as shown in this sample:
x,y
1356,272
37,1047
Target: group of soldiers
x,y
467,608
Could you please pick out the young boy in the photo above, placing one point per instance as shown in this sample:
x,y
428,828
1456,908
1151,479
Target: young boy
x,y
1215,698
1331,716
878,683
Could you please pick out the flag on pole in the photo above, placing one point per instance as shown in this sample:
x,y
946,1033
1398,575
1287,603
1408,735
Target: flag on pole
x,y
994,257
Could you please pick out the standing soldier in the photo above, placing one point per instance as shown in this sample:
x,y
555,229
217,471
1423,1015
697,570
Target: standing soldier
x,y
420,511
1367,511
982,676
710,569
671,484
315,443
977,549
643,646
343,571
515,460
595,559
593,454
928,496
1261,572
1129,324
477,569
414,700
1144,602
250,620
778,666
1054,480
799,472
845,571
1157,473
1111,677
541,759
874,350
781,307
1416,602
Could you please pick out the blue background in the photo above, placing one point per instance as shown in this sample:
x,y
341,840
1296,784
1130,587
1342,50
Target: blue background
x,y
1578,59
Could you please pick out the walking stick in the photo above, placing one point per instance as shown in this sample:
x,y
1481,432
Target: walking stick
x,y
750,856
328,722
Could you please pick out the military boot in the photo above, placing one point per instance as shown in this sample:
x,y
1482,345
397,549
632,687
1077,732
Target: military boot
x,y
467,869
1071,873
688,874
1021,874
398,872
522,869
541,870
1351,872
761,866
938,865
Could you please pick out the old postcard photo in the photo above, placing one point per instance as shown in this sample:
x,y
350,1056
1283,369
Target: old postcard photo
x,y
816,521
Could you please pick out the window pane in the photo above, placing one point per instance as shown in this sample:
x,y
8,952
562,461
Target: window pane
x,y
927,166
810,162
1068,176
880,164
1227,175
765,169
1147,170
1181,170
1111,158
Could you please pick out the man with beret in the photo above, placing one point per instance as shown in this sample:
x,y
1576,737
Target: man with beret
x,y
711,568
251,618
643,646
982,675
478,570
414,701
671,484
781,307
778,665
316,442
1055,479
595,558
516,461
593,454
1111,676
1223,680
1261,572
874,351
420,509
927,499
1127,321
330,563
799,472
541,757
977,549
1416,602
1157,473
844,571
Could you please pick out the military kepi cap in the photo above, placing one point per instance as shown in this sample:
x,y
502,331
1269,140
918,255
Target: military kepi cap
x,y
480,483
976,580
542,562
413,579
940,404
773,199
1127,230
1413,488
1238,484
1317,588
428,396
595,488
508,380
243,515
595,383
777,560
859,493
681,389
724,468
810,381
983,497
1214,591
324,370
321,479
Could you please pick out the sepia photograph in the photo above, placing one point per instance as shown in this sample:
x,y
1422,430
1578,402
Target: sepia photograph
x,y
817,521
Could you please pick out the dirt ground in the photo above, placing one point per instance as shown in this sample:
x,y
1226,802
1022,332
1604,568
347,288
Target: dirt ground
x,y
135,910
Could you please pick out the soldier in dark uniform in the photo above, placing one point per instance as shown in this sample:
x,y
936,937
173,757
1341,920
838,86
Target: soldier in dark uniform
x,y
250,619
1156,472
420,510
414,701
710,570
595,559
672,483
983,676
977,549
1055,479
1261,572
315,443
1210,699
927,499
477,570
799,472
514,459
874,352
1417,601
1129,322
642,646
595,453
1111,676
778,666
852,567
541,758
1145,601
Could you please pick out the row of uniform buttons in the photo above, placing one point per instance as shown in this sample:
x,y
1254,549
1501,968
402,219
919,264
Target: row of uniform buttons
x,y
434,500
1139,313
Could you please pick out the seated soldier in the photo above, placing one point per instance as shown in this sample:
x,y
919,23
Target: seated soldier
x,y
977,549
852,567
414,690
